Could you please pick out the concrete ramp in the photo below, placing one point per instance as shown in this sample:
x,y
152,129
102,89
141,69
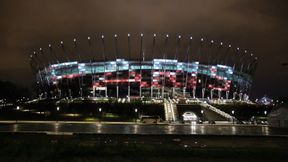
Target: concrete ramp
x,y
214,113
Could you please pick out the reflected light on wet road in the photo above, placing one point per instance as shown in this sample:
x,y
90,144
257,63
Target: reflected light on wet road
x,y
135,129
100,128
15,128
56,126
233,130
170,129
193,129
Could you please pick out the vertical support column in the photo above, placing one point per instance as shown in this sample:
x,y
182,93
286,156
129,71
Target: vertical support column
x,y
219,94
129,93
104,64
234,95
129,52
128,89
94,91
80,78
162,92
188,64
164,65
140,91
106,95
117,77
59,93
141,59
70,93
117,91
211,93
81,92
246,98
194,92
227,95
151,87
140,83
184,92
152,72
45,95
203,93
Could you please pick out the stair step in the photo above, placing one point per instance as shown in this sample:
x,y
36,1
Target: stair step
x,y
216,110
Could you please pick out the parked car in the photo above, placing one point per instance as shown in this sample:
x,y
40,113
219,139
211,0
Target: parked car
x,y
189,117
211,122
150,119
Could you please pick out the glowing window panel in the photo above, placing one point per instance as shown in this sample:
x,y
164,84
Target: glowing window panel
x,y
135,67
64,64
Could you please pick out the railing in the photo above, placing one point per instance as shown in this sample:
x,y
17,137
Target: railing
x,y
214,109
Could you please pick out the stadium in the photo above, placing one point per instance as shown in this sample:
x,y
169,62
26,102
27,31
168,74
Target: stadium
x,y
170,67
166,76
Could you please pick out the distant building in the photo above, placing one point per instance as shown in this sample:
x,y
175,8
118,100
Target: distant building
x,y
265,101
279,117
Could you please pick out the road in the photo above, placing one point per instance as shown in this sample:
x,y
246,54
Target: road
x,y
129,128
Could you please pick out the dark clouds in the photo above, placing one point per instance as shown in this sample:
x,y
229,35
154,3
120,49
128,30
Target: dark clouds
x,y
258,25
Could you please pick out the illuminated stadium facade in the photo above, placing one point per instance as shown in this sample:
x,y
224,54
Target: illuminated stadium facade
x,y
208,77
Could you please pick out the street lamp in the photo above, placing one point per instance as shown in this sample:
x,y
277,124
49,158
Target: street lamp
x,y
18,108
100,110
58,108
233,112
136,110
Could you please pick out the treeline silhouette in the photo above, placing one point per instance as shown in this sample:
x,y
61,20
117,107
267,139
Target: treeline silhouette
x,y
12,92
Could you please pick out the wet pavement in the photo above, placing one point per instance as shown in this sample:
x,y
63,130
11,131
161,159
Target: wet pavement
x,y
100,128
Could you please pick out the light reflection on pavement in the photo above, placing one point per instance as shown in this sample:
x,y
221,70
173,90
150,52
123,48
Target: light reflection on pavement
x,y
99,128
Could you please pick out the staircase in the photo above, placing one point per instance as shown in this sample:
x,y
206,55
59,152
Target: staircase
x,y
218,111
171,113
174,109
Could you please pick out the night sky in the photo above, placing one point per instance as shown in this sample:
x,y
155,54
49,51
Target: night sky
x,y
261,26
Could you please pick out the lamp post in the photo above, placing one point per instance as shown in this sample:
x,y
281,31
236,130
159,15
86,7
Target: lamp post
x,y
141,60
202,113
100,115
233,119
136,114
129,59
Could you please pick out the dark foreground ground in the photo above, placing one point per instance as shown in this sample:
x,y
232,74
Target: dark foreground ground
x,y
99,147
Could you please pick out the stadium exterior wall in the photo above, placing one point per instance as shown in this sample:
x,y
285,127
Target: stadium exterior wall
x,y
157,78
